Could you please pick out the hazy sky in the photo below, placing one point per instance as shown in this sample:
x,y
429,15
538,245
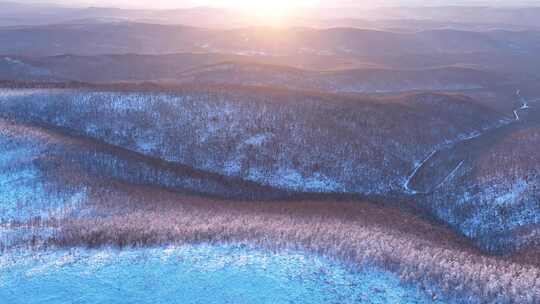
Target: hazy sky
x,y
271,3
182,3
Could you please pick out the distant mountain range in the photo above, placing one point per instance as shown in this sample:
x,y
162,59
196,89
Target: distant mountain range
x,y
235,70
416,17
72,50
349,43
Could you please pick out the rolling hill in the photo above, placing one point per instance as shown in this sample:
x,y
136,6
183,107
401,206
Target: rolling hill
x,y
144,38
82,203
222,69
288,140
265,130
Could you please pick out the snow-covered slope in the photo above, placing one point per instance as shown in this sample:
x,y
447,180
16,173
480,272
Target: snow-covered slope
x,y
495,196
301,142
195,274
284,139
27,191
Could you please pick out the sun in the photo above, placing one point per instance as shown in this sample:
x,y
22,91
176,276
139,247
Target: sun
x,y
269,9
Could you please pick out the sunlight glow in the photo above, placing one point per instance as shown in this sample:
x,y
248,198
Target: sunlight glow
x,y
274,11
272,6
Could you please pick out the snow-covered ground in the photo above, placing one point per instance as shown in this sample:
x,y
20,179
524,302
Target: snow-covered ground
x,y
193,274
24,192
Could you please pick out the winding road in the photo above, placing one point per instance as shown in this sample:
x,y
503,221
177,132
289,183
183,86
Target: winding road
x,y
409,179
451,156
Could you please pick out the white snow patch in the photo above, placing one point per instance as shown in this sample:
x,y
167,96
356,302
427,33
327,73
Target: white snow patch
x,y
513,195
257,140
146,145
292,179
233,167
12,61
